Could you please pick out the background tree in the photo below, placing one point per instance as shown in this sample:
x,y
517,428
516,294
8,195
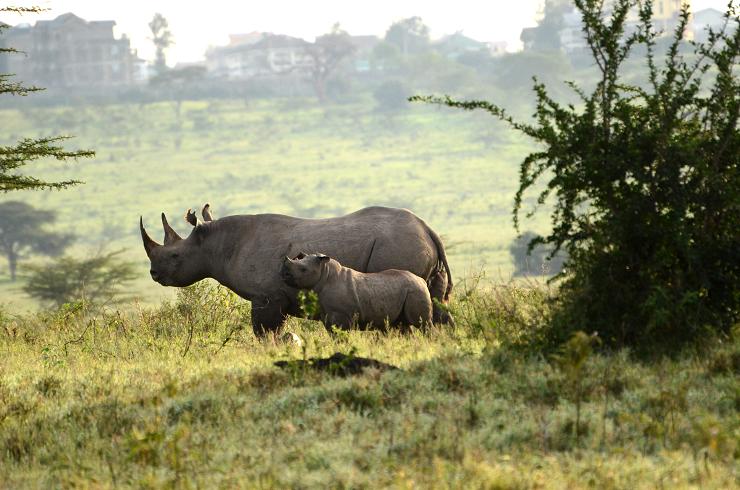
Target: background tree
x,y
22,234
392,96
98,280
162,39
536,261
645,184
28,150
410,36
327,53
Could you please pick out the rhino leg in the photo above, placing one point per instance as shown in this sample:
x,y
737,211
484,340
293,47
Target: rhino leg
x,y
267,318
437,288
337,319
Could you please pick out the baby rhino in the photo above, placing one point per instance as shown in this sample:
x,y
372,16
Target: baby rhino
x,y
392,297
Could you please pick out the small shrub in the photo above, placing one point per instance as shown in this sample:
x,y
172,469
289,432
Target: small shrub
x,y
391,96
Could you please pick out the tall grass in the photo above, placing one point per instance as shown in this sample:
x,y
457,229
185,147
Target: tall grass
x,y
182,395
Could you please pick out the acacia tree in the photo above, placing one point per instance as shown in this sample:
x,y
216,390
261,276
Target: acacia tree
x,y
162,39
327,52
22,234
644,183
99,279
28,150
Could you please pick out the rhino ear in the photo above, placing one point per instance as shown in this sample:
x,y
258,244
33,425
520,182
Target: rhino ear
x,y
206,212
300,256
323,258
170,235
190,217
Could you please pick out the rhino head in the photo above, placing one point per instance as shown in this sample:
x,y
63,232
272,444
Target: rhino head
x,y
304,271
178,262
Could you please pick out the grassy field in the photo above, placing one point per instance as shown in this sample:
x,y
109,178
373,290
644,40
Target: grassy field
x,y
179,396
457,171
175,392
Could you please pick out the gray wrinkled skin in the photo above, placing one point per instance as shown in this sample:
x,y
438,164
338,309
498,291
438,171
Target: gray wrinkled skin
x,y
346,296
245,252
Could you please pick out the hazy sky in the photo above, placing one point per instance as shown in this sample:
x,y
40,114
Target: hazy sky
x,y
196,25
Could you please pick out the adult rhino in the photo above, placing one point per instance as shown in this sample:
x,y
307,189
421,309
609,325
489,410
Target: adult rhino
x,y
245,252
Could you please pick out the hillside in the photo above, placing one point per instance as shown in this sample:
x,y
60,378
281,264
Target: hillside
x,y
457,171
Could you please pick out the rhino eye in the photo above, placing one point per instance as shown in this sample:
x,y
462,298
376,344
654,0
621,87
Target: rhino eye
x,y
303,269
175,255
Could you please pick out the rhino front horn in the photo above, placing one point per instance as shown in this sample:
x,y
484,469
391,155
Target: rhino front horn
x,y
149,244
170,235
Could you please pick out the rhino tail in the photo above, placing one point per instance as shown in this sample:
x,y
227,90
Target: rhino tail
x,y
442,259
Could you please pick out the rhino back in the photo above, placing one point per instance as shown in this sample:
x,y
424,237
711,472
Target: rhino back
x,y
369,240
383,294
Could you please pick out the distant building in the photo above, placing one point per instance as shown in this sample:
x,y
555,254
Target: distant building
x,y
666,14
497,48
705,19
527,38
69,52
364,46
258,54
571,36
455,45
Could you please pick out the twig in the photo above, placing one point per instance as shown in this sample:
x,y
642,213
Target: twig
x,y
190,337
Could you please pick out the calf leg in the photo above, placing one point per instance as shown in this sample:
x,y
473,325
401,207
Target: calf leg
x,y
418,309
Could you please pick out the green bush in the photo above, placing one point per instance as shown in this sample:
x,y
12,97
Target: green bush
x,y
391,96
644,183
99,279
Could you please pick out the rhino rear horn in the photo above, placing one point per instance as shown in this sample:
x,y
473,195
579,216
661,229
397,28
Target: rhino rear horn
x,y
206,212
170,235
190,217
149,244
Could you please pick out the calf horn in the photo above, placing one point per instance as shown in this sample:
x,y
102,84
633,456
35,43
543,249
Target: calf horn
x,y
149,244
170,235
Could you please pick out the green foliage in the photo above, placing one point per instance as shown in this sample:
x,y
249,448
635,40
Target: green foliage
x,y
645,183
27,150
22,233
308,302
101,279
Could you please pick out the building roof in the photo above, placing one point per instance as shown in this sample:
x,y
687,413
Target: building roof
x,y
69,17
459,40
267,41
